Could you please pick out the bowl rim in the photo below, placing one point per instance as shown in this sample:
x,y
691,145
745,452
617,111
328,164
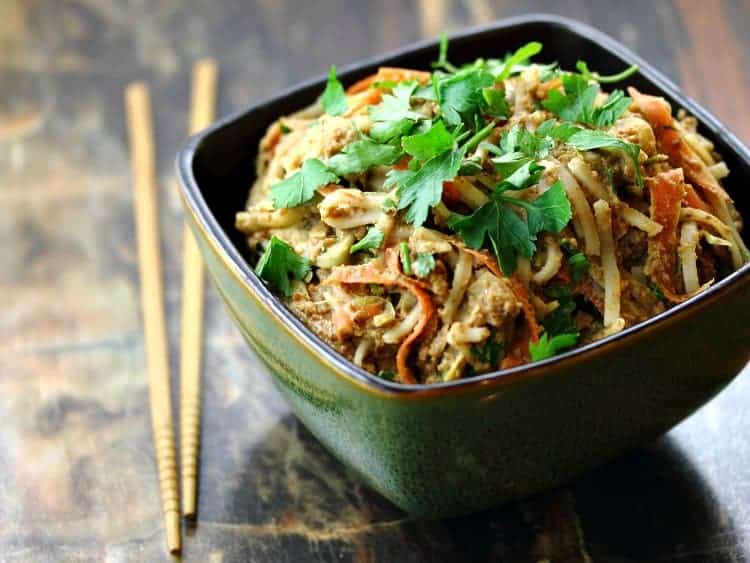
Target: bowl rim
x,y
216,236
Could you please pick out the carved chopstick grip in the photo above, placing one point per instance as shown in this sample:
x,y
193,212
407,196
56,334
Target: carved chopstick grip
x,y
202,109
142,154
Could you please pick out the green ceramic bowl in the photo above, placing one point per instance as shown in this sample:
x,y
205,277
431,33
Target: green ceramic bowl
x,y
451,448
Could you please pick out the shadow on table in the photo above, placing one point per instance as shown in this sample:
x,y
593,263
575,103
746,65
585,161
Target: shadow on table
x,y
298,502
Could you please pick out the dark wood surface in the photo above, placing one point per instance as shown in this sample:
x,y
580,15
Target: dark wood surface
x,y
77,476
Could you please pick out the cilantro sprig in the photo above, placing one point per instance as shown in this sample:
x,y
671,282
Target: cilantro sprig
x,y
300,187
373,239
279,263
508,233
548,346
334,97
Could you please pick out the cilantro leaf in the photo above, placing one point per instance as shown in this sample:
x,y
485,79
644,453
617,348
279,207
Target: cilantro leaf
x,y
521,55
579,264
432,142
496,104
560,320
397,105
508,234
361,155
421,188
300,187
547,347
372,239
394,117
549,212
586,140
460,95
334,97
502,227
423,264
278,263
522,177
578,102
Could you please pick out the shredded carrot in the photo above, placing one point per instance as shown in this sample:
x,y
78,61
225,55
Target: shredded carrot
x,y
658,113
403,164
404,350
386,73
667,190
451,194
374,272
369,98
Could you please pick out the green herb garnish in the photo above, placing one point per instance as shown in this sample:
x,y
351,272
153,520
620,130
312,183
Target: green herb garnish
x,y
372,239
548,347
334,97
300,187
279,263
423,264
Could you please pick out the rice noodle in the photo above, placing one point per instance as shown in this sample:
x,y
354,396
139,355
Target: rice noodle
x,y
581,210
551,264
363,348
461,277
611,272
738,250
689,238
591,184
399,332
639,220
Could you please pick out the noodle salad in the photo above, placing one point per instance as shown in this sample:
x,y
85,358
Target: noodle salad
x,y
434,225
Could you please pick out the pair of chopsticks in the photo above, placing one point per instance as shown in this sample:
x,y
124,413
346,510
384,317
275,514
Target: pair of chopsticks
x,y
143,163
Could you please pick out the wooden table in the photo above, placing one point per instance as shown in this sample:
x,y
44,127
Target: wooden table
x,y
77,476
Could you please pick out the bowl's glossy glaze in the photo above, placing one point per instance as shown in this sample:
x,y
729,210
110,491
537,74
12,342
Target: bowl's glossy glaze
x,y
451,448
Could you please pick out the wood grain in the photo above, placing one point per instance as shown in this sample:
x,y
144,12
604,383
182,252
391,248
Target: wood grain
x,y
141,132
202,109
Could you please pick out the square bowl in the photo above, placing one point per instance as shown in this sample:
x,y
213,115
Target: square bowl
x,y
455,447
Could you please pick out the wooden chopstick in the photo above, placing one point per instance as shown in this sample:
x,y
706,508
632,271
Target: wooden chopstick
x,y
142,152
202,109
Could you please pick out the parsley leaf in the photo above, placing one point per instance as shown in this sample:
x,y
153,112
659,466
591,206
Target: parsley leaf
x,y
432,142
578,103
497,105
300,187
394,117
423,264
560,320
579,264
550,212
506,231
548,347
372,239
586,140
508,234
278,263
421,188
334,97
460,95
521,55
361,155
